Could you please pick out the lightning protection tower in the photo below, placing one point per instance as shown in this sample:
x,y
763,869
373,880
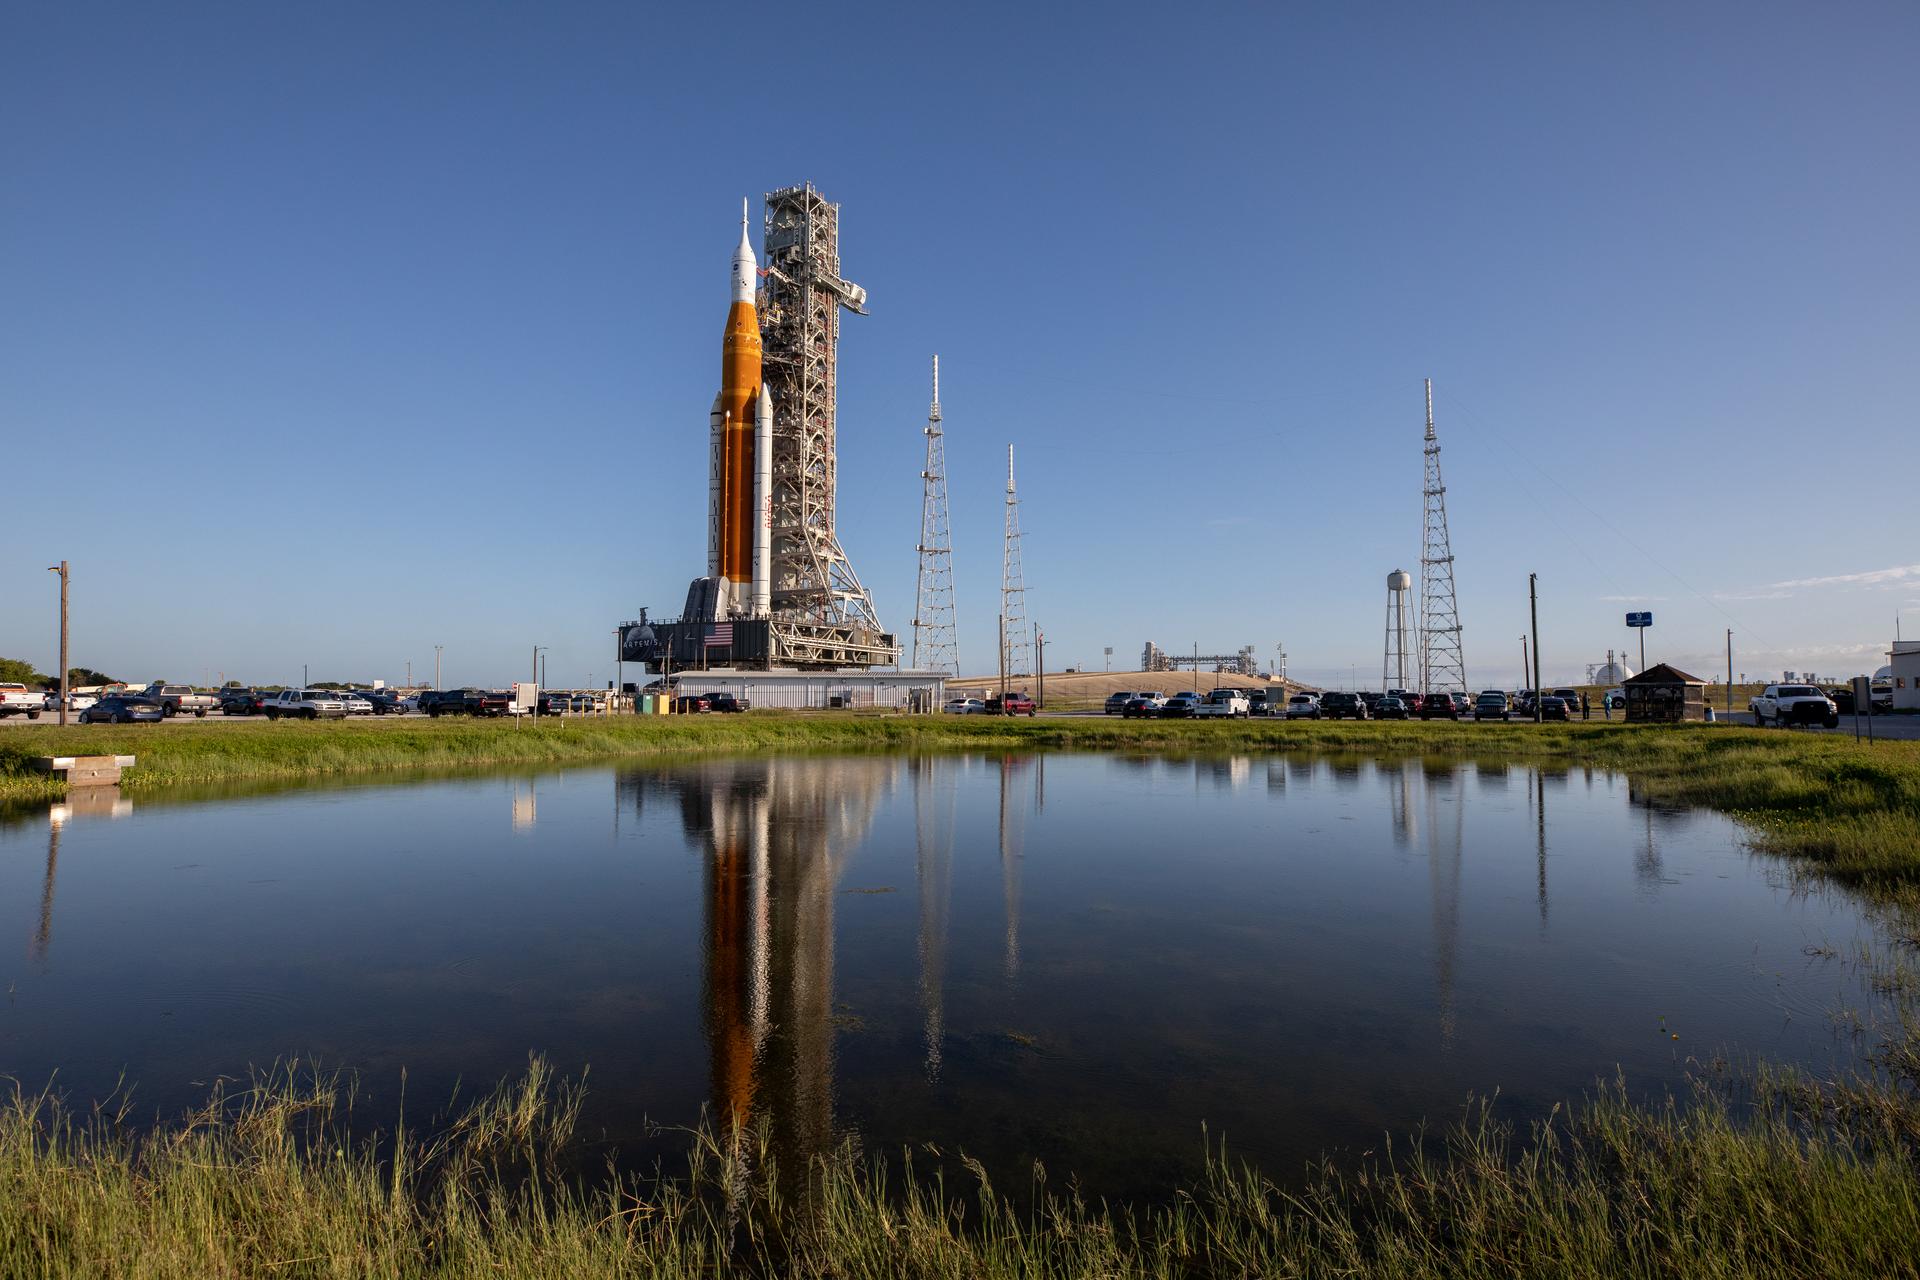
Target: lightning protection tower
x,y
1013,590
1442,669
1393,668
935,642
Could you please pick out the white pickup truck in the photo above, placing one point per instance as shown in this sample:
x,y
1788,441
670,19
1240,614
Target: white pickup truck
x,y
1785,704
1228,703
180,699
17,700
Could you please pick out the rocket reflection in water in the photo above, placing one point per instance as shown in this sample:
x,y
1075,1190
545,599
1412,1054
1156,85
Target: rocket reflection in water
x,y
776,836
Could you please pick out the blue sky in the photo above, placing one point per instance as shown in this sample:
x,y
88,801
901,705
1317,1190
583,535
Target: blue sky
x,y
332,333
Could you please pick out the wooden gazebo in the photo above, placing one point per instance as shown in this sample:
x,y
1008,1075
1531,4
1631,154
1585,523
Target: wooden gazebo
x,y
1664,695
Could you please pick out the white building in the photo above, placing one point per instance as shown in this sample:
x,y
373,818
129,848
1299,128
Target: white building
x,y
1904,666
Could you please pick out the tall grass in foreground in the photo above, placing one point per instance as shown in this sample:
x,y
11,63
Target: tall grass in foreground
x,y
1795,1179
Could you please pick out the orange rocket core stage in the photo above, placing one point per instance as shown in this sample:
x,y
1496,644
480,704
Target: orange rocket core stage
x,y
739,401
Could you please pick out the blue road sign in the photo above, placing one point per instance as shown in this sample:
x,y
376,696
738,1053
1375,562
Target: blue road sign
x,y
1640,619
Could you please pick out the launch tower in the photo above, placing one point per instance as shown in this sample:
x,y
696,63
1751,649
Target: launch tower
x,y
821,616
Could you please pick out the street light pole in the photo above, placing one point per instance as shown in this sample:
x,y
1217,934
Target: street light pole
x,y
436,665
61,569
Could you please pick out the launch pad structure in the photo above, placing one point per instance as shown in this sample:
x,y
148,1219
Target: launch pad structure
x,y
779,593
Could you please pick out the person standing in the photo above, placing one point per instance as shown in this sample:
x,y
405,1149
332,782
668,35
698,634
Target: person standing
x,y
1586,707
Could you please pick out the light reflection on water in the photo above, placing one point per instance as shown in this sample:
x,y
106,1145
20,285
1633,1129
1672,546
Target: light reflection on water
x,y
1072,958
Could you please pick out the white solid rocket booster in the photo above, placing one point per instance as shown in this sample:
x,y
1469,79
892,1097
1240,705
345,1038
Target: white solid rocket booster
x,y
763,505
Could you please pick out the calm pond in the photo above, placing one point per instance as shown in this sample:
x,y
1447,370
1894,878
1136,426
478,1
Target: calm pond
x,y
1074,958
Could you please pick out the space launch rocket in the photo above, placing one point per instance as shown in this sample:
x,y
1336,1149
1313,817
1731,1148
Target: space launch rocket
x,y
740,492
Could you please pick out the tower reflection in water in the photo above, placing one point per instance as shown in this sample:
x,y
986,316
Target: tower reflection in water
x,y
776,836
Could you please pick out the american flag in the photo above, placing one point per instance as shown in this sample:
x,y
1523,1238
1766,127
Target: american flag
x,y
719,634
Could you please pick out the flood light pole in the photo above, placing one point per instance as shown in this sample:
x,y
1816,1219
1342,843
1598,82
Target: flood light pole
x,y
1533,607
61,569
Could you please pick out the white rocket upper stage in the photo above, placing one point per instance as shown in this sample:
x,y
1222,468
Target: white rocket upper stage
x,y
743,263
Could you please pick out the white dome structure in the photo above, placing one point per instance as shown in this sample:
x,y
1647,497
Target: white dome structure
x,y
1884,673
1615,672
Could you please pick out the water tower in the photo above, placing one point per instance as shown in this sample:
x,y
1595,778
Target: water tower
x,y
1393,669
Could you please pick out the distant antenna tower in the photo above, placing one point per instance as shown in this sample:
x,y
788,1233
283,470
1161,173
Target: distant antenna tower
x,y
1013,591
935,644
1393,668
1442,669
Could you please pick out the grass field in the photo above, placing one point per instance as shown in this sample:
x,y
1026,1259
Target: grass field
x,y
1755,1173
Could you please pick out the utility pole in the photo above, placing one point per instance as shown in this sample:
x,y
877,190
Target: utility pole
x,y
61,569
436,664
1729,675
1533,607
1526,672
1039,667
409,673
303,675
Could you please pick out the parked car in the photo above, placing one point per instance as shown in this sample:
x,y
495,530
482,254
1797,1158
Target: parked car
x,y
1180,705
1390,708
1437,706
1303,706
1230,704
306,704
1343,706
430,699
1145,705
965,707
1117,702
124,708
180,699
356,703
1491,705
1882,698
725,703
554,704
1014,704
242,702
1462,704
1371,698
691,704
1257,703
1789,704
1554,707
384,702
1569,696
1842,700
1523,704
18,700
75,701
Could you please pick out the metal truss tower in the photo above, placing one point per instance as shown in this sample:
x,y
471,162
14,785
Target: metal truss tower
x,y
821,613
1442,668
1013,590
935,641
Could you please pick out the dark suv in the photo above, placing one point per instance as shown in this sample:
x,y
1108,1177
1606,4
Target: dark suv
x,y
1343,706
1435,705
